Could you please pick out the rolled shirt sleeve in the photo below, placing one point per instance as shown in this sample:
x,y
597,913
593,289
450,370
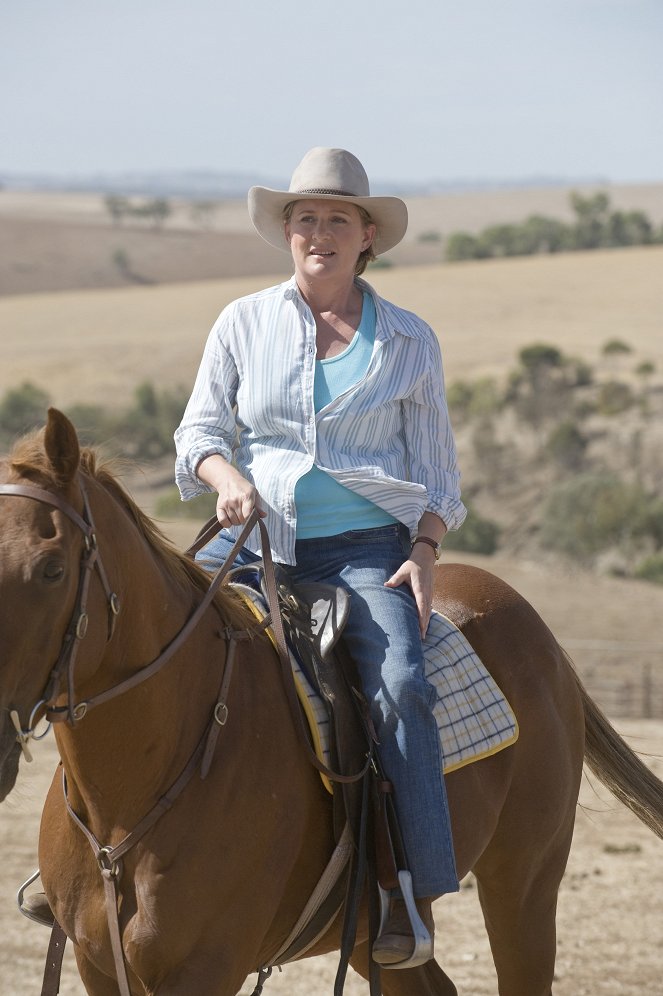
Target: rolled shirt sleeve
x,y
431,447
208,425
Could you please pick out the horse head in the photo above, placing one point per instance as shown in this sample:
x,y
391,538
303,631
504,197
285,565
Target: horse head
x,y
40,554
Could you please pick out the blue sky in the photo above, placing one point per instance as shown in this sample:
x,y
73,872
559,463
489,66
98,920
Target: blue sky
x,y
419,90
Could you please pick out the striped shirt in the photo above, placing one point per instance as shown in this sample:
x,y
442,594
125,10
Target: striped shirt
x,y
388,437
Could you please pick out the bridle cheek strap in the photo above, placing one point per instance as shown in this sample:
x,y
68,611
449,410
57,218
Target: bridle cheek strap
x,y
78,623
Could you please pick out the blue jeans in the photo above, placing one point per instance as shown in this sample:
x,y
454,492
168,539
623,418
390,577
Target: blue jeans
x,y
383,634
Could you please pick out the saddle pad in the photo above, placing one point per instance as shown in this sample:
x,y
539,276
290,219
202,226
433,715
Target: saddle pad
x,y
473,716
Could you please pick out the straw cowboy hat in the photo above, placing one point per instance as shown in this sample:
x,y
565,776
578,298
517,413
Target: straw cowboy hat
x,y
330,175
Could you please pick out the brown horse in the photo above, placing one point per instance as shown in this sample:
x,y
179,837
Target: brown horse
x,y
213,887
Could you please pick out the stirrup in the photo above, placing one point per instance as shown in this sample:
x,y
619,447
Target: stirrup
x,y
25,910
423,942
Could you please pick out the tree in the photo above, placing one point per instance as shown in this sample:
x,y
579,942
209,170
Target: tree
x,y
615,347
462,245
629,228
117,207
591,228
540,387
159,209
202,213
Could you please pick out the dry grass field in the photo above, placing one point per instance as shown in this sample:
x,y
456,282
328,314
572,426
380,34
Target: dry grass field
x,y
97,345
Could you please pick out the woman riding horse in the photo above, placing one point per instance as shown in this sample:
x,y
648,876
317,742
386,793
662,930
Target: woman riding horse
x,y
322,405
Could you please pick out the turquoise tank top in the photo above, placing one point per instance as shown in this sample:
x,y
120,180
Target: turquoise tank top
x,y
325,507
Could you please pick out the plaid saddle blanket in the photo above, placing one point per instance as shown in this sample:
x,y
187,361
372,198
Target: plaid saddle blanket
x,y
473,716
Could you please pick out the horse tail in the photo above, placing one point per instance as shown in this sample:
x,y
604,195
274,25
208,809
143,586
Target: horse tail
x,y
619,767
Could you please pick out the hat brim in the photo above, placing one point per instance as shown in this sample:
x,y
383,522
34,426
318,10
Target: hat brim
x,y
266,208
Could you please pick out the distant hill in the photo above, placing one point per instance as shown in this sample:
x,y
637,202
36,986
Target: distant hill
x,y
58,240
201,184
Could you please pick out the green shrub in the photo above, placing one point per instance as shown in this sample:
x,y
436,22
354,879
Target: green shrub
x,y
93,423
650,569
461,246
430,236
476,399
645,369
476,535
614,397
146,430
540,356
593,512
459,398
171,506
566,445
22,409
615,347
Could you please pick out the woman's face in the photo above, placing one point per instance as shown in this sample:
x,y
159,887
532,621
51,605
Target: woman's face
x,y
326,238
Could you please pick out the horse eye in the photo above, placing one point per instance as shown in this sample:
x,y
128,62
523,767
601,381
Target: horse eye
x,y
53,570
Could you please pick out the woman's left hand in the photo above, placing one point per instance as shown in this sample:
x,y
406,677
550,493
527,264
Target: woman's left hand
x,y
417,574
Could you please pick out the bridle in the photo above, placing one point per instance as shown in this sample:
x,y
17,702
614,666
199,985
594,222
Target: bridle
x,y
78,623
91,561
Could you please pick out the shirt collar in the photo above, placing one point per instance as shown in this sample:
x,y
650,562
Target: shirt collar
x,y
385,326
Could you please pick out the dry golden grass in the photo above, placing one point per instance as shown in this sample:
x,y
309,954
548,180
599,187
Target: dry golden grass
x,y
95,346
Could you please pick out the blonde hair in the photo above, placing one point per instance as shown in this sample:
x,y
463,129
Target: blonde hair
x,y
366,256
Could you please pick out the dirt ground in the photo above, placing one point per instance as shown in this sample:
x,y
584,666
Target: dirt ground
x,y
610,918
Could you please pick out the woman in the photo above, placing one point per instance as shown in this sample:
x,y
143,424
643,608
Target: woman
x,y
322,406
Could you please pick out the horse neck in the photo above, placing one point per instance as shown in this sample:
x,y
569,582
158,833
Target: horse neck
x,y
123,752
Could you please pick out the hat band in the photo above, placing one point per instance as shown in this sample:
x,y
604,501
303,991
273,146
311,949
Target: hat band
x,y
324,190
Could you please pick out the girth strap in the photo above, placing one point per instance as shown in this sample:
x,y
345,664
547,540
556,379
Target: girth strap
x,y
53,970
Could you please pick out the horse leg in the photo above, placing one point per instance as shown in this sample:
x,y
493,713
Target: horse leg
x,y
96,983
202,976
519,903
427,980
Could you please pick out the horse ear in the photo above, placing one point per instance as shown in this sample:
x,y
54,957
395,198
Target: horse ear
x,y
61,445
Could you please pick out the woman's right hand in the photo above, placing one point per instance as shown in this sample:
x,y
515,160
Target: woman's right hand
x,y
237,497
236,502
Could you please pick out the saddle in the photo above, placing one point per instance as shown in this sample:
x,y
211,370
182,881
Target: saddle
x,y
314,616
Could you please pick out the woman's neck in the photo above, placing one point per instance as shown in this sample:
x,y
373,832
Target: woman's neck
x,y
324,298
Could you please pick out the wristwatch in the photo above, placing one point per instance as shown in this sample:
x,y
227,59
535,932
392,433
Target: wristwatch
x,y
429,542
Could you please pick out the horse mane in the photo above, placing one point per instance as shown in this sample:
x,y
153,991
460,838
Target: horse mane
x,y
28,459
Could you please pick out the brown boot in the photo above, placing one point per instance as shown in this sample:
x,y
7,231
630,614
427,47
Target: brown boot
x,y
36,907
396,942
